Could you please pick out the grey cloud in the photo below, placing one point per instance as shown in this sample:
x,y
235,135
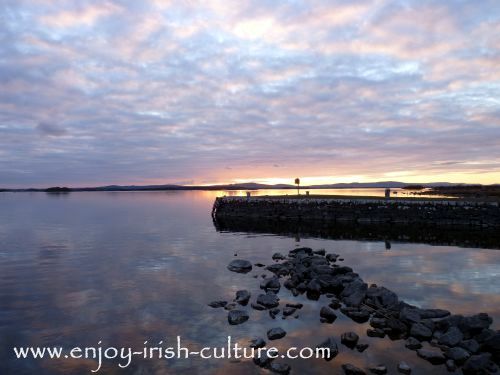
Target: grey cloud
x,y
51,129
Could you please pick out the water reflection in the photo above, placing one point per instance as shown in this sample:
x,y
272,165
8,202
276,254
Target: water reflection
x,y
133,266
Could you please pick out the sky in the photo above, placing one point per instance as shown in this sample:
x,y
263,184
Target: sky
x,y
200,92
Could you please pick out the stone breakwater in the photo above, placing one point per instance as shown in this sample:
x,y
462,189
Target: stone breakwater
x,y
362,210
437,336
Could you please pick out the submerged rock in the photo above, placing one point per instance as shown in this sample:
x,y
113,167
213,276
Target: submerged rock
x,y
240,266
457,354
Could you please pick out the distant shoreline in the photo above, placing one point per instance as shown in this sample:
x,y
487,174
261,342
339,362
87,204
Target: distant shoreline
x,y
433,188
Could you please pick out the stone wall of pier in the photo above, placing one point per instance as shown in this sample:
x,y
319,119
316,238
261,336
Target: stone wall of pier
x,y
397,211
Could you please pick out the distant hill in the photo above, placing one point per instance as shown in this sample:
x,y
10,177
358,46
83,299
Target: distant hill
x,y
242,186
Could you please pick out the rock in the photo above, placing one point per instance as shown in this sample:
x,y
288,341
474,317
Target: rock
x,y
376,332
382,297
472,325
314,287
378,322
433,313
433,356
259,265
295,305
477,364
362,347
328,314
413,344
237,317
278,269
287,311
216,304
356,314
404,368
321,252
257,306
331,257
349,339
451,338
258,342
331,345
271,283
268,300
379,370
492,345
352,370
230,306
242,297
274,312
450,365
298,250
409,316
279,367
396,326
472,346
278,256
354,293
457,354
420,331
240,266
276,333
335,304
263,360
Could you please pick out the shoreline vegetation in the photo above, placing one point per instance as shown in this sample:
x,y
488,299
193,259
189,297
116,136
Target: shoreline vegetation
x,y
441,189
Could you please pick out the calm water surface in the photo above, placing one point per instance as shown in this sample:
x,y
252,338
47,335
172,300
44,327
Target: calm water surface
x,y
127,267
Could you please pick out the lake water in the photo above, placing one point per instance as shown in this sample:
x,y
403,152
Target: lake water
x,y
126,267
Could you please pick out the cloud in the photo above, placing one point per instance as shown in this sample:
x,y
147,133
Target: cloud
x,y
51,129
175,91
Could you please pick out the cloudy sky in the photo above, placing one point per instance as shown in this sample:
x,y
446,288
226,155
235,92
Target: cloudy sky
x,y
124,91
